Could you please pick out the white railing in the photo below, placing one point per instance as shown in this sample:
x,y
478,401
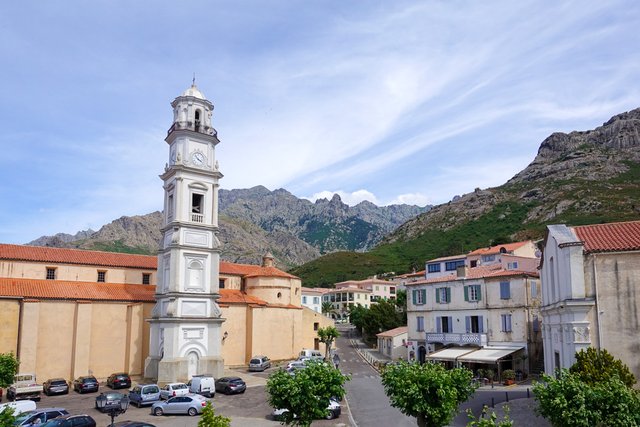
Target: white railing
x,y
462,339
196,217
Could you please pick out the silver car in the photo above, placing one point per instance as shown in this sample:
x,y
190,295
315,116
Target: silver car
x,y
259,363
174,390
191,404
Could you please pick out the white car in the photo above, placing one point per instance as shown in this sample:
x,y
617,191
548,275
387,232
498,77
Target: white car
x,y
173,390
334,411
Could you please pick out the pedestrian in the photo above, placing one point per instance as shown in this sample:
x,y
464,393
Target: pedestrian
x,y
336,360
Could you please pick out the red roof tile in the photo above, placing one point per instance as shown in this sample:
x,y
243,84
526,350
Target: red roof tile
x,y
59,289
612,237
481,272
115,259
236,296
76,256
508,247
393,332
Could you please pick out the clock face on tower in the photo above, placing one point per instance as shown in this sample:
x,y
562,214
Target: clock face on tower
x,y
198,158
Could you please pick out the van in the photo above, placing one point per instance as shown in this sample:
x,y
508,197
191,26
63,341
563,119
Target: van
x,y
19,406
308,353
202,384
144,394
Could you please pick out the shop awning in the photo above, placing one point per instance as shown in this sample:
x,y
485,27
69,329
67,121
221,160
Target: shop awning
x,y
488,354
450,354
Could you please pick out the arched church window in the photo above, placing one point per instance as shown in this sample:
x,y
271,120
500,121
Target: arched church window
x,y
197,124
197,207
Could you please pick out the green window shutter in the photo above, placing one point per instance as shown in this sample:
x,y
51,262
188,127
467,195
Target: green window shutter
x,y
479,292
414,293
448,295
466,293
424,296
437,295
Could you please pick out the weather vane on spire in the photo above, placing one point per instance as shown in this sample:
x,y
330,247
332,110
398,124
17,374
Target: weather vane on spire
x,y
193,83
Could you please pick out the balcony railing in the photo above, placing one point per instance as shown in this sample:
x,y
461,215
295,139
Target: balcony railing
x,y
196,127
461,339
196,217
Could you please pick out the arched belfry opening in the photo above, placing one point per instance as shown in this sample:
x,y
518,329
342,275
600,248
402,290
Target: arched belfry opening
x,y
197,121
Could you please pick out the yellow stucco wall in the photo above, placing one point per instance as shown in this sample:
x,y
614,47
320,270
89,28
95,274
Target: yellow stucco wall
x,y
10,310
276,332
309,331
73,273
234,346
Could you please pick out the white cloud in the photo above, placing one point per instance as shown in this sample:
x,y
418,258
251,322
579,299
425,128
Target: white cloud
x,y
418,199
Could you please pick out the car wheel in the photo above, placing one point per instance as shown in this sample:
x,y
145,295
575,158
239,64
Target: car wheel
x,y
157,412
227,390
192,412
330,415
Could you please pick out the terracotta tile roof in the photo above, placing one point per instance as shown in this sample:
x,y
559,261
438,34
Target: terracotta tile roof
x,y
249,270
446,258
393,332
63,290
406,275
236,296
115,259
612,237
509,247
481,272
76,256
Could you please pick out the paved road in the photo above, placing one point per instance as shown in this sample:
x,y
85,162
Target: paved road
x,y
366,399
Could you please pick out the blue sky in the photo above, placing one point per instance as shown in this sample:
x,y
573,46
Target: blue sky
x,y
390,101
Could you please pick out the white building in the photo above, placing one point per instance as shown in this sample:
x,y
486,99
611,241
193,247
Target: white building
x,y
393,343
590,288
312,298
380,289
482,315
343,299
185,336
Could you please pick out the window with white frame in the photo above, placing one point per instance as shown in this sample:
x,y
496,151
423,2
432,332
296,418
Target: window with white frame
x,y
419,296
445,324
506,322
304,300
420,324
512,265
488,258
534,288
472,293
505,290
316,300
433,268
443,295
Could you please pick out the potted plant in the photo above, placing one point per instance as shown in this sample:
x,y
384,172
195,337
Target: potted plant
x,y
509,377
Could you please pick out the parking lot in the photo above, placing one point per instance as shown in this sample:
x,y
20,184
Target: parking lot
x,y
246,409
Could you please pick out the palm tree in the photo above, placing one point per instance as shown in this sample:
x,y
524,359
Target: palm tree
x,y
327,309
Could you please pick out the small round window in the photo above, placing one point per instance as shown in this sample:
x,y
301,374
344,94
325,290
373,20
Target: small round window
x,y
279,294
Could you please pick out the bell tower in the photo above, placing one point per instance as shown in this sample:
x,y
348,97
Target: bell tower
x,y
185,334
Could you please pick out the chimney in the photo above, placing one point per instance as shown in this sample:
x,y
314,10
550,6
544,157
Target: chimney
x,y
267,260
462,271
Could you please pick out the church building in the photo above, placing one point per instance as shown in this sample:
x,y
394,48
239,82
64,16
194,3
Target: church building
x,y
67,312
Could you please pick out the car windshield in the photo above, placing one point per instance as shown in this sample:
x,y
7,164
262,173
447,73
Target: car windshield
x,y
179,386
255,361
23,417
235,380
58,382
89,380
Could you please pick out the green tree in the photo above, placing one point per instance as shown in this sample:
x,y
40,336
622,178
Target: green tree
x,y
380,317
327,336
568,401
429,392
401,304
491,420
356,317
8,369
594,366
327,308
210,419
7,417
305,395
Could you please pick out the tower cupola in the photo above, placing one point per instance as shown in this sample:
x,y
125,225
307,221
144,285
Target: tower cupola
x,y
192,111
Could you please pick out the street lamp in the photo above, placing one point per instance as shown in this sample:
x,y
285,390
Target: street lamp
x,y
112,410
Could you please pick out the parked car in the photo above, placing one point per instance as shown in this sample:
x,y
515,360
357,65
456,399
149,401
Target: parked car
x,y
132,424
259,363
308,353
230,385
38,416
334,411
191,404
173,390
55,386
19,406
144,394
119,380
113,400
24,387
202,384
85,384
71,421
